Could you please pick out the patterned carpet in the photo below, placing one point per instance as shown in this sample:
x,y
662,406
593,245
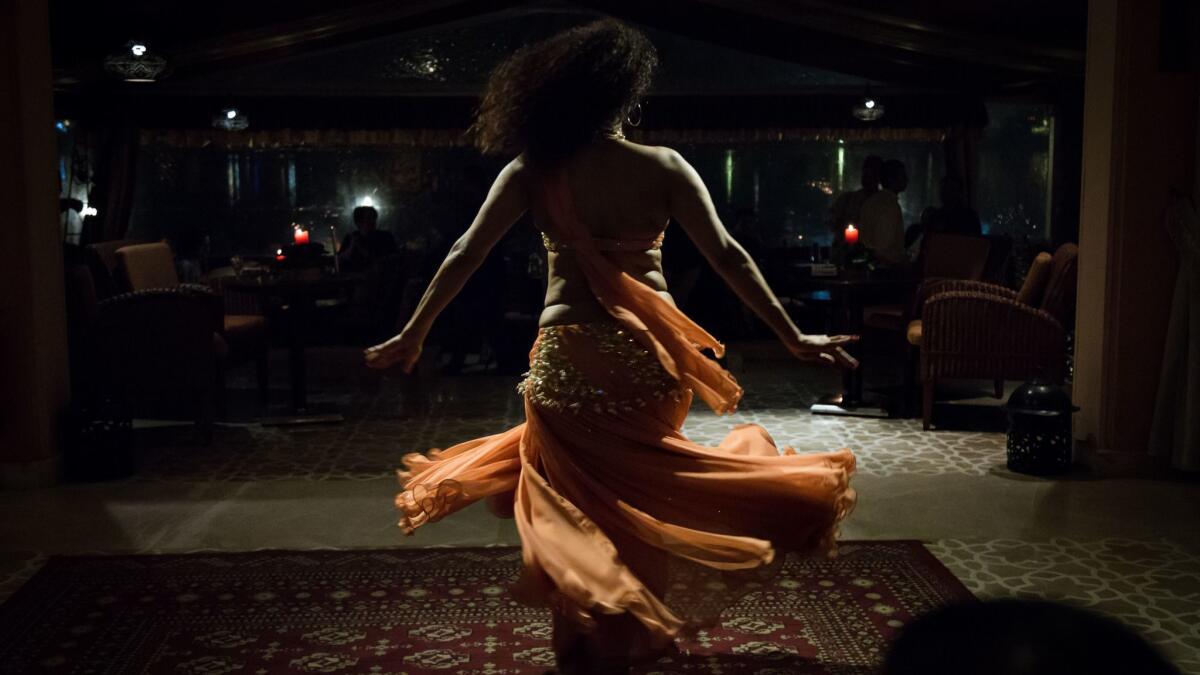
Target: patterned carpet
x,y
427,611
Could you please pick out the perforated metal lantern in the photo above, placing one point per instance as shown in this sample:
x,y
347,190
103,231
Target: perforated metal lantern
x,y
1039,429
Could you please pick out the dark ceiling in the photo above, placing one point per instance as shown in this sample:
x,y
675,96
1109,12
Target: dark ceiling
x,y
981,45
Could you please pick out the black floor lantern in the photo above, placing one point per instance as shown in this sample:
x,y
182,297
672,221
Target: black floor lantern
x,y
1039,429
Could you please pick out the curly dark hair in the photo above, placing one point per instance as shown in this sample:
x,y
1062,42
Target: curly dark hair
x,y
553,97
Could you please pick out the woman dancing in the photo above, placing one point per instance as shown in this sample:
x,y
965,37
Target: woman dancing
x,y
613,504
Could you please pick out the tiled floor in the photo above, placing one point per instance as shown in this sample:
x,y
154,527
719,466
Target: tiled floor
x,y
1128,547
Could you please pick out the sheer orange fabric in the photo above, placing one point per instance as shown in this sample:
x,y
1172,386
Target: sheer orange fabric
x,y
609,497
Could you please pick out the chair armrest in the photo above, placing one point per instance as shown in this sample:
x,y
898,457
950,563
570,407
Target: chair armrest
x,y
982,334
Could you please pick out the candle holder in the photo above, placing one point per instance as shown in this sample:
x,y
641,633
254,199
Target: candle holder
x,y
299,235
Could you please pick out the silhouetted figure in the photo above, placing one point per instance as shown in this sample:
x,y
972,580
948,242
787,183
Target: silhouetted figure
x,y
190,247
367,243
847,206
609,499
881,224
953,216
1020,637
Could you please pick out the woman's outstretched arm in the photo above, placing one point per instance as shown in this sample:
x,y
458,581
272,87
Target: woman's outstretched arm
x,y
692,206
506,202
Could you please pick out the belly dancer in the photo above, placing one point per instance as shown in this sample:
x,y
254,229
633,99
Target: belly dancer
x,y
612,502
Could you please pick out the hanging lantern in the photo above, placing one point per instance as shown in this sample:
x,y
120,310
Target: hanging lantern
x,y
1039,429
136,63
868,109
231,119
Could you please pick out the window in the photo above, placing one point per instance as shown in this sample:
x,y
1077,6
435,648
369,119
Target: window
x,y
1015,168
787,187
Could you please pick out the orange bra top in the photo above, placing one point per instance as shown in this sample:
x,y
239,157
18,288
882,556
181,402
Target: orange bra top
x,y
608,244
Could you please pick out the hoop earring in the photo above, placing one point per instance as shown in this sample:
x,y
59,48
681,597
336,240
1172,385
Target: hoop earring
x,y
631,120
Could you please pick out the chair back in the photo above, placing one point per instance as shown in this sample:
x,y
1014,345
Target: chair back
x,y
1059,298
954,256
102,259
998,256
158,348
148,266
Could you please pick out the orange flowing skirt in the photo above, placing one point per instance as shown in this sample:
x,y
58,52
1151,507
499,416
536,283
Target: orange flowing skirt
x,y
614,505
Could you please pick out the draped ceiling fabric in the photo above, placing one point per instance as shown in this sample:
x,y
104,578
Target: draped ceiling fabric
x,y
987,45
749,70
385,52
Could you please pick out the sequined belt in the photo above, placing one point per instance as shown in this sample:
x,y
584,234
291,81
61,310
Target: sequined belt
x,y
555,381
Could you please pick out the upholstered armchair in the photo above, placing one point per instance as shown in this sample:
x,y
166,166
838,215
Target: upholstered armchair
x,y
977,330
241,337
158,352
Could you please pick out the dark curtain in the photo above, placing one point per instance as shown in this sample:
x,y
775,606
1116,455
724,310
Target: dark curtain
x,y
962,157
113,186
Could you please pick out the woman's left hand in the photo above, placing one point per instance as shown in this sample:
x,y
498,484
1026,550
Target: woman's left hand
x,y
402,350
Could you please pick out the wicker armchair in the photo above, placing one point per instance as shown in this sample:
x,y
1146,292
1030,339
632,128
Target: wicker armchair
x,y
160,352
977,330
152,266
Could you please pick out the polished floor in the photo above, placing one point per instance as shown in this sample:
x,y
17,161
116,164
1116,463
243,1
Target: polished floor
x,y
1127,547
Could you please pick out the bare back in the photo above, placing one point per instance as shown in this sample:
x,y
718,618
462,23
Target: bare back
x,y
620,191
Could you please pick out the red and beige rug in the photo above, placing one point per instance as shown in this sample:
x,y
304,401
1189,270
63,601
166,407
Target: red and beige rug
x,y
426,611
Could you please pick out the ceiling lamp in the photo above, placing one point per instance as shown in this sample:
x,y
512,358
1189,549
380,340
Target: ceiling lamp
x,y
868,109
231,119
136,63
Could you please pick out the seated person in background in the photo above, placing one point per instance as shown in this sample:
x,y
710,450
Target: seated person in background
x,y
953,216
190,247
847,206
366,244
881,224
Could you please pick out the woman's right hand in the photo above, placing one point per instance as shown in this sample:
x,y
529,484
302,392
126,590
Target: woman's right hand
x,y
402,350
824,349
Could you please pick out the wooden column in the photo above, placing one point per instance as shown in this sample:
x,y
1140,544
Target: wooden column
x,y
33,344
1139,129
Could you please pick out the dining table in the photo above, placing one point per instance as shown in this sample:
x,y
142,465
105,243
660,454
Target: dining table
x,y
849,292
297,296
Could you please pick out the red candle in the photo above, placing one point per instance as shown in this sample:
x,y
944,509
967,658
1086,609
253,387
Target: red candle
x,y
851,235
301,236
